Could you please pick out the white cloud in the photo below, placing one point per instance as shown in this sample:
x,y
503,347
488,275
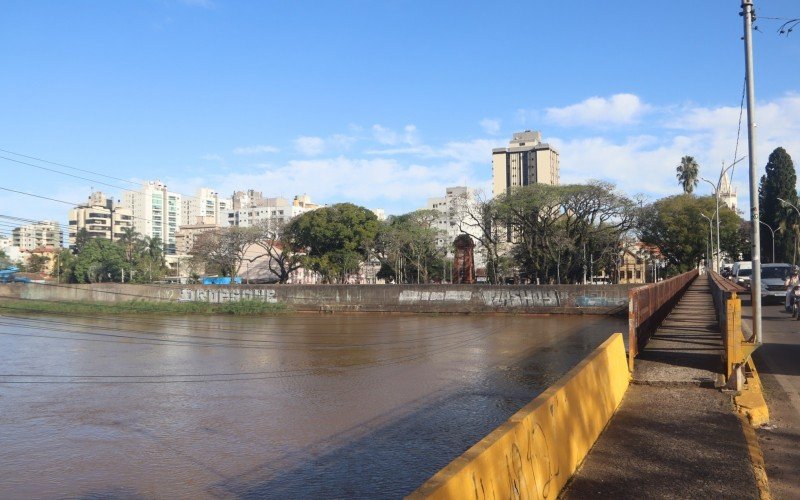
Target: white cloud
x,y
373,182
310,146
212,157
490,126
646,163
389,137
255,150
619,109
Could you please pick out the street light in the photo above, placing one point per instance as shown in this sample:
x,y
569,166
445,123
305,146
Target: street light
x,y
710,237
716,188
714,260
773,239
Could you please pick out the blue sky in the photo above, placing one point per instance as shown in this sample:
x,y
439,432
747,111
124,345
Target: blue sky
x,y
379,103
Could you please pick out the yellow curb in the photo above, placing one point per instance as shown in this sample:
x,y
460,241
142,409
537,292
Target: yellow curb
x,y
751,400
756,459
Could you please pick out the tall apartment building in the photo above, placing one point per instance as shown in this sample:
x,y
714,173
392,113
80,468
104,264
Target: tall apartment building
x,y
101,217
526,160
247,199
454,208
269,210
156,212
41,234
205,205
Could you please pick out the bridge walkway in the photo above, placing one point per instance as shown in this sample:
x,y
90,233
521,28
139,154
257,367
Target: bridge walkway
x,y
674,435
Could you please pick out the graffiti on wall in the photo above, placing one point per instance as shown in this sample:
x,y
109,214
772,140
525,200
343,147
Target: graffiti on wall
x,y
227,295
524,298
439,296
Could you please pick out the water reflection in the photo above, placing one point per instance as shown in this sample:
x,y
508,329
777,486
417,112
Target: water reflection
x,y
296,406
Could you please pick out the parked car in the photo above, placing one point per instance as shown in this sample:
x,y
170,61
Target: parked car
x,y
773,281
740,274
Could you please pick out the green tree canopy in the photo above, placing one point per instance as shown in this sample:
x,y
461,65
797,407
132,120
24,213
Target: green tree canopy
x,y
779,181
335,239
409,250
675,226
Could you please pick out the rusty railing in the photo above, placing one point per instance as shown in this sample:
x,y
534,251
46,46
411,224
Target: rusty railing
x,y
649,305
728,307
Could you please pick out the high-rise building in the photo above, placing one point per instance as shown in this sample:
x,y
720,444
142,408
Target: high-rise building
x,y
269,210
156,212
101,217
41,234
206,205
526,160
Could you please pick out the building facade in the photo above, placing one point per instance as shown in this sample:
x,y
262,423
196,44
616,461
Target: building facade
x,y
206,204
41,234
526,160
269,211
156,212
100,217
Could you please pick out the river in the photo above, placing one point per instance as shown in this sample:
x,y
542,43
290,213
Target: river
x,y
295,406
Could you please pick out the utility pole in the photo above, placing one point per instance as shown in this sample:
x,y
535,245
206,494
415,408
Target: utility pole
x,y
748,13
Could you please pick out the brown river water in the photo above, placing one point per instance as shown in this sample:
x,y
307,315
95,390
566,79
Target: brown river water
x,y
296,406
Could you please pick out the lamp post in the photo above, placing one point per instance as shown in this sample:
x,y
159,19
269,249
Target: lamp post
x,y
710,246
798,214
773,239
714,260
716,187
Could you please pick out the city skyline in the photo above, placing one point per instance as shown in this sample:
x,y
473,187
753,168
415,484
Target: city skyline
x,y
377,106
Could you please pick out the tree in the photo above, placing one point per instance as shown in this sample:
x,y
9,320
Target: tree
x,y
675,226
779,181
481,219
284,254
335,239
408,248
37,263
99,260
223,251
557,230
687,173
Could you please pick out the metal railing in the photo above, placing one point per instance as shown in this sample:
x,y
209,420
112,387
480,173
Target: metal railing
x,y
649,305
738,350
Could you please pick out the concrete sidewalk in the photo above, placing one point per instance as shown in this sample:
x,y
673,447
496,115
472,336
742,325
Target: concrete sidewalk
x,y
675,435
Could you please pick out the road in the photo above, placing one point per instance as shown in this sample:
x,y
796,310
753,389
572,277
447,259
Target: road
x,y
778,363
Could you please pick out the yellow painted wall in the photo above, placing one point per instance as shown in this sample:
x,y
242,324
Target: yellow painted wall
x,y
537,450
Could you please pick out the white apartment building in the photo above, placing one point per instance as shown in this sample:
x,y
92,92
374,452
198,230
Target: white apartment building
x,y
454,207
526,160
41,234
101,217
270,211
156,212
204,206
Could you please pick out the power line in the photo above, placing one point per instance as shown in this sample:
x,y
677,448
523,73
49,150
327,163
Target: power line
x,y
67,166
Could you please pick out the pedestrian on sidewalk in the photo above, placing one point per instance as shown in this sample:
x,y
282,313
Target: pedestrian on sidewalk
x,y
790,283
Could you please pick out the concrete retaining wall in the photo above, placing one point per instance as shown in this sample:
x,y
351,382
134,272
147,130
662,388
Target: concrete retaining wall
x,y
537,450
571,299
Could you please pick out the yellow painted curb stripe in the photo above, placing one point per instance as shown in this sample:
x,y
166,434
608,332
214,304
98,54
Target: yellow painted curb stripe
x,y
756,459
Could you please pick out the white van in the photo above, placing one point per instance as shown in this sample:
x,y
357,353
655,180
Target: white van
x,y
741,273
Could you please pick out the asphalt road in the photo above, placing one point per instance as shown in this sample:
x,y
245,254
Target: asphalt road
x,y
778,364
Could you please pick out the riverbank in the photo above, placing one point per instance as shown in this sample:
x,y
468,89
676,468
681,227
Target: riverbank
x,y
241,308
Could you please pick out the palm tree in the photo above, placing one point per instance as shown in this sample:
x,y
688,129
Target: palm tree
x,y
687,174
